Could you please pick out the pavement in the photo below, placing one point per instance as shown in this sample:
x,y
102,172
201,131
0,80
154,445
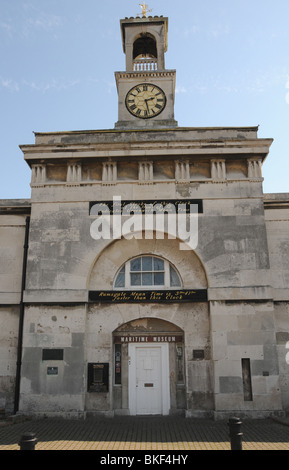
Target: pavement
x,y
143,434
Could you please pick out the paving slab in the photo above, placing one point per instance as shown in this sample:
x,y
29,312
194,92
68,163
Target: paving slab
x,y
144,434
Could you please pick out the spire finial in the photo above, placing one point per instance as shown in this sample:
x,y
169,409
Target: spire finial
x,y
144,9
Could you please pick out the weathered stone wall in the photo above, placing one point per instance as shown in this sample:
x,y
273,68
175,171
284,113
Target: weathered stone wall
x,y
12,233
9,324
282,339
54,327
277,224
243,330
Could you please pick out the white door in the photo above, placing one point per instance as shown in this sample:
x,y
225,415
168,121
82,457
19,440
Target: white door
x,y
148,379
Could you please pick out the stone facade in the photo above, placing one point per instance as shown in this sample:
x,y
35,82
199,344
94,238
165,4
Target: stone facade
x,y
71,335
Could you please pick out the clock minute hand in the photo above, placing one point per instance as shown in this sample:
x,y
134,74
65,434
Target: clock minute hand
x,y
146,102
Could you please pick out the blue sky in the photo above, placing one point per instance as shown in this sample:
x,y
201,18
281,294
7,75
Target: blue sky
x,y
58,58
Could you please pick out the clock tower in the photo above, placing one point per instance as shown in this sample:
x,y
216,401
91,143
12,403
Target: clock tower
x,y
146,89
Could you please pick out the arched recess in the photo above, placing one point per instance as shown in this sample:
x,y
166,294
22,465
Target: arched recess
x,y
145,46
149,367
147,326
188,322
110,260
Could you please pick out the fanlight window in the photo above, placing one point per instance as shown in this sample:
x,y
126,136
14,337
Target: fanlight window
x,y
147,272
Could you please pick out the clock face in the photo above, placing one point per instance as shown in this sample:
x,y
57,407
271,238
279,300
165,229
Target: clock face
x,y
145,101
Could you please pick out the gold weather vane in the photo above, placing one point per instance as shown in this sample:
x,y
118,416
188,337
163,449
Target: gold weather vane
x,y
144,9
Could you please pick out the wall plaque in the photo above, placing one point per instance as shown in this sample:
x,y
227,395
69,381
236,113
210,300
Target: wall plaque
x,y
166,296
97,377
52,354
198,354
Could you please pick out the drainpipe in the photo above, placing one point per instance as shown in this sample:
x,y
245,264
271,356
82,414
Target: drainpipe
x,y
21,320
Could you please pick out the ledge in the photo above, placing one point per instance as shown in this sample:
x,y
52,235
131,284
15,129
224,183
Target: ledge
x,y
15,206
263,293
55,296
10,298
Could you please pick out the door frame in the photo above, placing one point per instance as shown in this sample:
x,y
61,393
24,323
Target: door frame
x,y
165,382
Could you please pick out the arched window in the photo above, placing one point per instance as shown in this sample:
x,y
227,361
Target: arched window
x,y
147,272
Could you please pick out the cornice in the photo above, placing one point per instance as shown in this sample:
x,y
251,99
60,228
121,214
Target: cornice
x,y
143,74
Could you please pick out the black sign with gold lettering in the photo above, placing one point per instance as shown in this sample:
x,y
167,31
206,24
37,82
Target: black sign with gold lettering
x,y
182,295
146,206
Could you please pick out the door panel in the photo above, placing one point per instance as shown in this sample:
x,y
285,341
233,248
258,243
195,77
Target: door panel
x,y
148,379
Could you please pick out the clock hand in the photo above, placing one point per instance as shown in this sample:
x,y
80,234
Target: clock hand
x,y
146,102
